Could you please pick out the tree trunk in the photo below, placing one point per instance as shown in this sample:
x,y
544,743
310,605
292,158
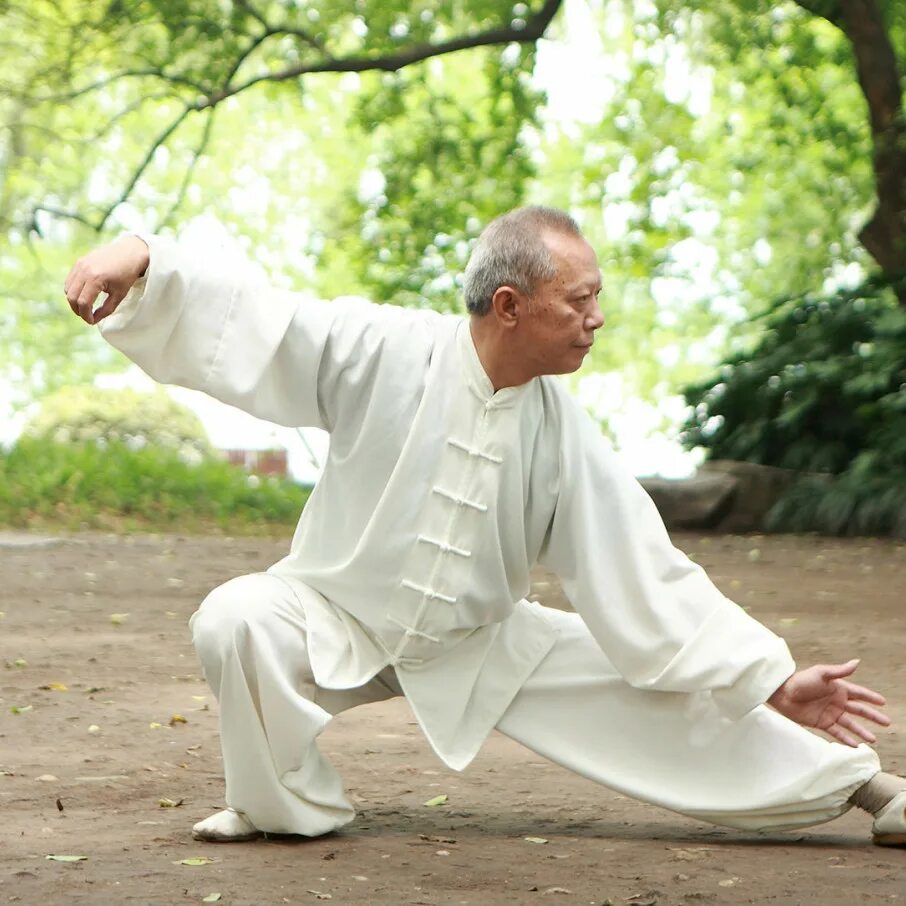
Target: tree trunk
x,y
884,235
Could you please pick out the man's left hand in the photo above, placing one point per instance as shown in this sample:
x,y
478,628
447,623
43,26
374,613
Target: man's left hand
x,y
822,697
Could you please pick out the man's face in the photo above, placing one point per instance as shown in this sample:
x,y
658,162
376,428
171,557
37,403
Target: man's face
x,y
564,313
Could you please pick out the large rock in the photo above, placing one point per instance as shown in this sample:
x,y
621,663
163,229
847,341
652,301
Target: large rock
x,y
726,496
700,502
758,488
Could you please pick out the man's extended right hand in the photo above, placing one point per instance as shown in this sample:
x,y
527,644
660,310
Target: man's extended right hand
x,y
111,269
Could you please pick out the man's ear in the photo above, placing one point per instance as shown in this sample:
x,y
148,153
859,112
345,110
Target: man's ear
x,y
509,305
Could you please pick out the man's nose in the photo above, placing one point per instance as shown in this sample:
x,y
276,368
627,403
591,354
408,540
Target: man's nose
x,y
595,317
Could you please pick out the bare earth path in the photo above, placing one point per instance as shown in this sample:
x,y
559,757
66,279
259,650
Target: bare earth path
x,y
105,750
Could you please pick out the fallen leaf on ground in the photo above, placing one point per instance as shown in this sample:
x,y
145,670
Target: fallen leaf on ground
x,y
690,854
437,800
195,860
94,728
556,890
170,803
54,687
154,725
727,882
211,898
47,778
644,899
117,618
321,896
535,839
177,719
20,709
20,662
56,858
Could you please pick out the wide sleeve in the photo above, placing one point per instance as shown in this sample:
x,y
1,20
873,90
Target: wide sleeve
x,y
278,355
654,612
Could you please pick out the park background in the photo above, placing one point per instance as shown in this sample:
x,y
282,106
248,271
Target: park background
x,y
740,167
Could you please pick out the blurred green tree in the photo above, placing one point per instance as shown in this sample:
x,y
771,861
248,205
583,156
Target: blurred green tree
x,y
389,132
85,414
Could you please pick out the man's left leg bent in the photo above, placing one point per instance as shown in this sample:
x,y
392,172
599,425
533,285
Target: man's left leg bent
x,y
677,751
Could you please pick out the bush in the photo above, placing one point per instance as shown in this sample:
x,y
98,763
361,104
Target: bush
x,y
824,391
85,413
77,486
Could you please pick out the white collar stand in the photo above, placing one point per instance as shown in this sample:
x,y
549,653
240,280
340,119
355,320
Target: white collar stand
x,y
477,378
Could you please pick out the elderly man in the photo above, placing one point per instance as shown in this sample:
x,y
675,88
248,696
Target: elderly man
x,y
457,462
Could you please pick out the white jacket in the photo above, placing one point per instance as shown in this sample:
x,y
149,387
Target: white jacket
x,y
437,498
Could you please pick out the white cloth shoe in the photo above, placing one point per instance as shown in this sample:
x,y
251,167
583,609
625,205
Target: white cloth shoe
x,y
889,828
228,826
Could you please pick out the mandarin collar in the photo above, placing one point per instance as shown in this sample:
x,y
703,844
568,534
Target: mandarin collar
x,y
477,378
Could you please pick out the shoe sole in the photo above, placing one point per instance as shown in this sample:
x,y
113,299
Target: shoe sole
x,y
890,840
238,838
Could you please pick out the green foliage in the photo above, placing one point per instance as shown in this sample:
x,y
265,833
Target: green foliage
x,y
752,182
78,486
89,415
849,505
447,152
823,391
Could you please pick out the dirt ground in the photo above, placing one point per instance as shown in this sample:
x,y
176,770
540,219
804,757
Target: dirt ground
x,y
83,769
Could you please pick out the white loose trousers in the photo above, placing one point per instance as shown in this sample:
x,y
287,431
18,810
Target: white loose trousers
x,y
672,749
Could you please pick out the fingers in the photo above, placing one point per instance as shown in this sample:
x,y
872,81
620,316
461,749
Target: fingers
x,y
848,723
84,283
869,713
861,693
842,736
109,306
81,292
838,671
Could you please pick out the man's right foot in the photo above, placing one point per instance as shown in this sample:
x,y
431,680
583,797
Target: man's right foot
x,y
228,826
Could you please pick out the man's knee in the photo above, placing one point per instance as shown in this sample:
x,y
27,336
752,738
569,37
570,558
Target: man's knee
x,y
227,612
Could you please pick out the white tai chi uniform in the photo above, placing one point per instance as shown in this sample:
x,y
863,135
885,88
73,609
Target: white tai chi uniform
x,y
410,565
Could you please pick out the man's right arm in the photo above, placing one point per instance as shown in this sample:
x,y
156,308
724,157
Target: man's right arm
x,y
210,326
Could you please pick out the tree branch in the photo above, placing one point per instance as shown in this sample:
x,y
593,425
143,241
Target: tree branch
x,y
187,176
876,65
862,21
153,72
56,212
533,30
824,9
140,169
137,104
98,225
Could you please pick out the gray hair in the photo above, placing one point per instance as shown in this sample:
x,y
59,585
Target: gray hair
x,y
511,252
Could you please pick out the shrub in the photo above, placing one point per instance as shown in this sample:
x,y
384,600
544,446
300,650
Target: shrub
x,y
76,486
85,413
823,391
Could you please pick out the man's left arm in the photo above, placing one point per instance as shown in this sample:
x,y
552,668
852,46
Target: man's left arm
x,y
655,613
